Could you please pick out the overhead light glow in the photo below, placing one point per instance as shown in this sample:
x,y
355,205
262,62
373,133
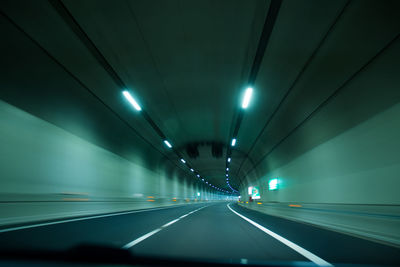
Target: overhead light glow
x,y
198,175
229,159
233,142
227,169
183,161
167,143
198,194
191,170
247,97
226,175
131,100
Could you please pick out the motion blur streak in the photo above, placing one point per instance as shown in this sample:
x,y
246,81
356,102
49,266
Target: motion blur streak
x,y
120,117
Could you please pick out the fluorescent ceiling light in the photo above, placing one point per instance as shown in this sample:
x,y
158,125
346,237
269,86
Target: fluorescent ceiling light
x,y
191,170
227,169
233,142
247,97
229,159
131,100
226,175
183,161
198,175
167,143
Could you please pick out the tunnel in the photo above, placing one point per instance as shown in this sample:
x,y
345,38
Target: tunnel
x,y
200,132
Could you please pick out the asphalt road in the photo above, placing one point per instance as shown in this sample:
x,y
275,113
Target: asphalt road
x,y
206,231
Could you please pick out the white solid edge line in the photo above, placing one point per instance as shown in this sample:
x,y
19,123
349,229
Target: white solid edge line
x,y
83,218
312,257
143,237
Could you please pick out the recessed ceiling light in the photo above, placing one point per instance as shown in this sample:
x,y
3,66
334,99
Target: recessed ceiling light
x,y
131,100
233,142
247,97
168,143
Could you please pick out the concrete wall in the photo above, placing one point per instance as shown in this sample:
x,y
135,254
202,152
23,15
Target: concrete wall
x,y
349,184
346,155
70,144
359,166
48,173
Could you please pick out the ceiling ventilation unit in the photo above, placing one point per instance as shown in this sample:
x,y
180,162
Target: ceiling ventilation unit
x,y
192,151
216,150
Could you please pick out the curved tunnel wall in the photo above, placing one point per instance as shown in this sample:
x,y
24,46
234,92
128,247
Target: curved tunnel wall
x,y
64,152
340,169
49,173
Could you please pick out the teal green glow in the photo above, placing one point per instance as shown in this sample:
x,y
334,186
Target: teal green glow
x,y
273,184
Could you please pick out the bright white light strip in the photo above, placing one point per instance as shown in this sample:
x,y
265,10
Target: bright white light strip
x,y
198,175
191,170
229,159
233,142
226,175
227,169
131,100
247,97
167,143
312,257
183,161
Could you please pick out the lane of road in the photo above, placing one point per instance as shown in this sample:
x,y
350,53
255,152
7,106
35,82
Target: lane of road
x,y
206,231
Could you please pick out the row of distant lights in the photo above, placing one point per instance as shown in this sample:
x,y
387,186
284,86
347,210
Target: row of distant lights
x,y
204,181
168,144
227,177
245,104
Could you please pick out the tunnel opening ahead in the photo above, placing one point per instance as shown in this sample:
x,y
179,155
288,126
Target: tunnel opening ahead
x,y
199,132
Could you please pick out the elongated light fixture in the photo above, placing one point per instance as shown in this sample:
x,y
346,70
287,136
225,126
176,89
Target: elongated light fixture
x,y
131,100
167,143
247,97
233,142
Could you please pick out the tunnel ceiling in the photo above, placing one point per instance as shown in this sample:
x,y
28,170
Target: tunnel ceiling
x,y
188,63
